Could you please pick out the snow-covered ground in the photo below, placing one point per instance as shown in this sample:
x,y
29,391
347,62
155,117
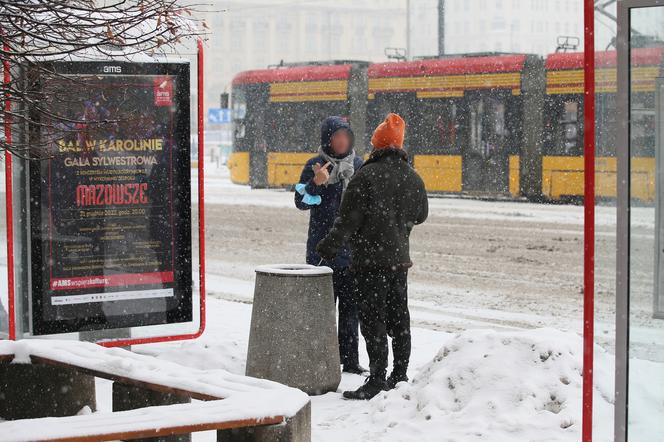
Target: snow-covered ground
x,y
220,190
496,264
496,309
478,384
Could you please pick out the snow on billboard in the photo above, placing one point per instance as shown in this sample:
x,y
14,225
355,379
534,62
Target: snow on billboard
x,y
111,203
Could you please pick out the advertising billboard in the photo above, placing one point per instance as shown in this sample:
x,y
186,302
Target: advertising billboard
x,y
110,203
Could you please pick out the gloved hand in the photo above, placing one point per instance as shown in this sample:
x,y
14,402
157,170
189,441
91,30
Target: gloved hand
x,y
325,250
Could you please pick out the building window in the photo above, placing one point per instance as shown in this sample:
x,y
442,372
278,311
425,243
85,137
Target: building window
x,y
381,37
359,39
336,29
261,31
311,43
284,29
499,24
238,33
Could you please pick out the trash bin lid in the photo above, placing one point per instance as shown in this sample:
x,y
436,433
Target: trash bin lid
x,y
293,270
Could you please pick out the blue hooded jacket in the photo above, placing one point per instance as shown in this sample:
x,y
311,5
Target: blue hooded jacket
x,y
322,215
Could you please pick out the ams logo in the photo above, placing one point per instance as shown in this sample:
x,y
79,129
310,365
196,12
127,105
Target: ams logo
x,y
112,69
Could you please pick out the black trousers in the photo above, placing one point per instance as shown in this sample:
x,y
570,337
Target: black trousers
x,y
344,294
383,302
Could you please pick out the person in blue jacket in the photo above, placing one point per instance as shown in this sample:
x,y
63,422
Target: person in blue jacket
x,y
322,183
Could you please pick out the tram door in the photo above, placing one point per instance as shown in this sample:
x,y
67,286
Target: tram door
x,y
258,140
485,152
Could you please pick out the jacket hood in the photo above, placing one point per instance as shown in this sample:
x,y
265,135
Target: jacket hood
x,y
328,128
379,154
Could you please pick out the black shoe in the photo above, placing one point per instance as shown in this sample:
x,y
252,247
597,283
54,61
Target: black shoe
x,y
394,379
354,369
370,389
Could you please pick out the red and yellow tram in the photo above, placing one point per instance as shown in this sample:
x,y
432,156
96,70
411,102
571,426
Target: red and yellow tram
x,y
495,125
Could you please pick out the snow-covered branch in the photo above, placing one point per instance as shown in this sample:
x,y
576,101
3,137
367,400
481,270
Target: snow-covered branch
x,y
35,31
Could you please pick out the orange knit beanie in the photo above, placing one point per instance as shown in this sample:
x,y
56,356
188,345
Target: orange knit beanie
x,y
389,133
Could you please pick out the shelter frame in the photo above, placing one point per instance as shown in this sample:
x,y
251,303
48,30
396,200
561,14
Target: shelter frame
x,y
623,35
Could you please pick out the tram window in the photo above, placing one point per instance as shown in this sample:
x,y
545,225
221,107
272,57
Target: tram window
x,y
563,126
314,114
240,130
274,122
488,132
239,110
238,113
605,124
283,130
384,103
296,126
447,126
438,126
642,128
404,104
569,126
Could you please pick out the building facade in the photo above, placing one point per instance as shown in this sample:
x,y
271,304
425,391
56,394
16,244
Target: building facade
x,y
258,34
530,26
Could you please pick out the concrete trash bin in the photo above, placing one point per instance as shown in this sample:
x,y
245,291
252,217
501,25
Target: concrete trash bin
x,y
293,337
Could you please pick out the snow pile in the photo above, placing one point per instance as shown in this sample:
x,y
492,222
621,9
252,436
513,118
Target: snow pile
x,y
489,385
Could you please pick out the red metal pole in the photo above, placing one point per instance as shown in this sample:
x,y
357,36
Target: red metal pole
x,y
588,218
201,187
11,307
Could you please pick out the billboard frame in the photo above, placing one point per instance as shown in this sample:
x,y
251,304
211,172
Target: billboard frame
x,y
9,201
12,332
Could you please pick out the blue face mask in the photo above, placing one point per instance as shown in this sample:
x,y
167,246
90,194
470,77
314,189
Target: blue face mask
x,y
311,200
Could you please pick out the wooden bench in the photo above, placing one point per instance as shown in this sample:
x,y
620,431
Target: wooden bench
x,y
154,396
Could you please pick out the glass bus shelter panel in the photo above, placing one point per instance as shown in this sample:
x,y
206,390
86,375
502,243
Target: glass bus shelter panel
x,y
646,228
658,120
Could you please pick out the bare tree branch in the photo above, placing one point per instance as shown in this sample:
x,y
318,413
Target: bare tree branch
x,y
34,33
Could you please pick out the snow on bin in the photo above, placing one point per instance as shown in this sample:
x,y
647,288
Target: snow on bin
x,y
293,338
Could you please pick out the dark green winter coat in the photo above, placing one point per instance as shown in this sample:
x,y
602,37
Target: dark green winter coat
x,y
382,203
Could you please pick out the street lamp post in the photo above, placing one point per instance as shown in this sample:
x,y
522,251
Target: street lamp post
x,y
441,27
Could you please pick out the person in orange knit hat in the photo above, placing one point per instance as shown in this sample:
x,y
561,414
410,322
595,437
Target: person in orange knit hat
x,y
383,201
389,133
